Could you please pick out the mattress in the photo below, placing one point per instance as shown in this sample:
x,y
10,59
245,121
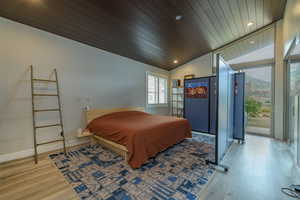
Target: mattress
x,y
144,135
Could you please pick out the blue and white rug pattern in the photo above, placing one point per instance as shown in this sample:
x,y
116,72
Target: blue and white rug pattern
x,y
180,172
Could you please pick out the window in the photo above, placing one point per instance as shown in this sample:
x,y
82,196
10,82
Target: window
x,y
157,89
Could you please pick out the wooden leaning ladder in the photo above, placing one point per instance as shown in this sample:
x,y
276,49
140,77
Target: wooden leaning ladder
x,y
35,111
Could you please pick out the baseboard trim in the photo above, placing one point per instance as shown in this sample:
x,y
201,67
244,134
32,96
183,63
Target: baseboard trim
x,y
42,149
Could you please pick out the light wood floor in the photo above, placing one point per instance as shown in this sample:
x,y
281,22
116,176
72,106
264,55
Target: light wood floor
x,y
24,180
257,171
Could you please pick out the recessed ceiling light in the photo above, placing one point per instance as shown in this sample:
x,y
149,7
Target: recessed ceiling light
x,y
250,24
252,42
178,17
36,1
175,61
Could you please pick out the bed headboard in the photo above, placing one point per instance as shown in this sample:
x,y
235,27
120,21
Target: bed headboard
x,y
93,114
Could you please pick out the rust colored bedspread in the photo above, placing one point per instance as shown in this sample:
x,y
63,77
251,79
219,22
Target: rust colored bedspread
x,y
143,134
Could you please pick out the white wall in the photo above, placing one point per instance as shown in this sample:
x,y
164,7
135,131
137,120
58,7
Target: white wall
x,y
287,30
201,66
87,76
291,23
279,77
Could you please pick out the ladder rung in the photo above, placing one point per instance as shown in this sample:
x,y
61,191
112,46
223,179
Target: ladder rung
x,y
54,141
44,80
47,110
47,126
50,95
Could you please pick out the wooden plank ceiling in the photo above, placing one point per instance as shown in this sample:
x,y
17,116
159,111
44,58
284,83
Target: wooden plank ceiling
x,y
146,30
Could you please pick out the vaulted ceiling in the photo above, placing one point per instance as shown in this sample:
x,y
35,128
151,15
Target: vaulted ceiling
x,y
147,30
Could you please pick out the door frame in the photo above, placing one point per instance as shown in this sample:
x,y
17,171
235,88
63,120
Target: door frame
x,y
272,65
288,60
288,63
290,131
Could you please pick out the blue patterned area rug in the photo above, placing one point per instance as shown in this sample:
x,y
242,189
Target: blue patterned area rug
x,y
178,173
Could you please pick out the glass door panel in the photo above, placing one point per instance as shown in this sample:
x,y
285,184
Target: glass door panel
x,y
258,100
293,111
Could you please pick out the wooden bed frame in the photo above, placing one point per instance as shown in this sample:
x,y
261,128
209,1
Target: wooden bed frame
x,y
117,148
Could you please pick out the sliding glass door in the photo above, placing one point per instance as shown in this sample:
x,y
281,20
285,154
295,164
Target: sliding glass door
x,y
258,100
294,108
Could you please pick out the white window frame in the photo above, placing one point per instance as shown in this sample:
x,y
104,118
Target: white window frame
x,y
167,90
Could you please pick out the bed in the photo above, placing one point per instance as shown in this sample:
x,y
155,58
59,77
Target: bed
x,y
135,134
